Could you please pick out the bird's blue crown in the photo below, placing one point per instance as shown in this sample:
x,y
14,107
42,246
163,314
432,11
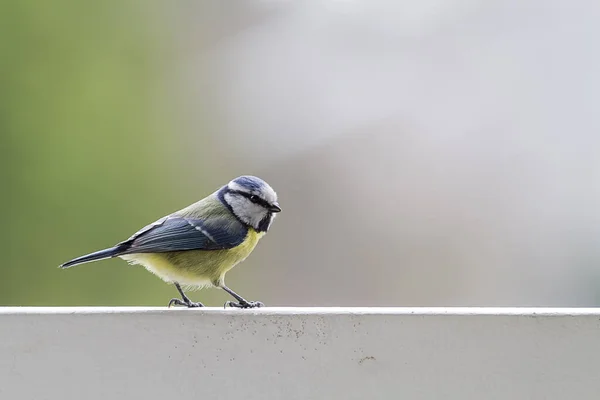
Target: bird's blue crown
x,y
251,183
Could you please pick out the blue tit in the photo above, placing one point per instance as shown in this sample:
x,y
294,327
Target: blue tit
x,y
196,246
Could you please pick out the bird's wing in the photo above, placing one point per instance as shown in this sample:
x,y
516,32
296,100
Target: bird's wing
x,y
177,233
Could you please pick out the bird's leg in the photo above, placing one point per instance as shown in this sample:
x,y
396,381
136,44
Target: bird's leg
x,y
186,300
242,303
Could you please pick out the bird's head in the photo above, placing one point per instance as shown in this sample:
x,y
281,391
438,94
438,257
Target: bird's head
x,y
252,200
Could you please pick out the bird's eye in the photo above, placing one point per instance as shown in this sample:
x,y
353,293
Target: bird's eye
x,y
253,198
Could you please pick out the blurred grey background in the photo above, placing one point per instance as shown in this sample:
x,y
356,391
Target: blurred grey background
x,y
434,153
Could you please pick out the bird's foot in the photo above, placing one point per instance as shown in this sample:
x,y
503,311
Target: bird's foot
x,y
244,304
188,304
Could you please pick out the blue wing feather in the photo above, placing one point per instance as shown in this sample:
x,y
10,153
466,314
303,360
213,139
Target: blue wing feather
x,y
176,233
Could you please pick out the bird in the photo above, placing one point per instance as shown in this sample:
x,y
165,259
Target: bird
x,y
196,246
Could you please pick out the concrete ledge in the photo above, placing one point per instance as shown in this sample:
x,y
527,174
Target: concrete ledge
x,y
299,353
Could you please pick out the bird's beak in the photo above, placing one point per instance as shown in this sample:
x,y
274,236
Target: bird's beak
x,y
275,208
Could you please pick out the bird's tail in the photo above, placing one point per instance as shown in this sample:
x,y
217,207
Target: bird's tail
x,y
95,256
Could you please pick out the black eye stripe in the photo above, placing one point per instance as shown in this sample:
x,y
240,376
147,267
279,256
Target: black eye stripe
x,y
253,198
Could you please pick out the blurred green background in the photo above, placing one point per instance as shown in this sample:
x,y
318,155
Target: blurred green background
x,y
87,155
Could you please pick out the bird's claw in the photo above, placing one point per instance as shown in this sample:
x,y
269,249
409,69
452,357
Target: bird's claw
x,y
244,304
179,302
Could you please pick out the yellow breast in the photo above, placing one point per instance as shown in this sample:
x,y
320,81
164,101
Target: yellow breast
x,y
196,267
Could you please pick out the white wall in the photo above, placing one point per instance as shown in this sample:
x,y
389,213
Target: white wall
x,y
368,353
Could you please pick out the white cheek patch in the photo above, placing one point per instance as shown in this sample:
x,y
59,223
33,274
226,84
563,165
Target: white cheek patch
x,y
247,211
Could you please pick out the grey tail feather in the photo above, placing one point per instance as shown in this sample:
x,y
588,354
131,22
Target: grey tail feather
x,y
95,256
